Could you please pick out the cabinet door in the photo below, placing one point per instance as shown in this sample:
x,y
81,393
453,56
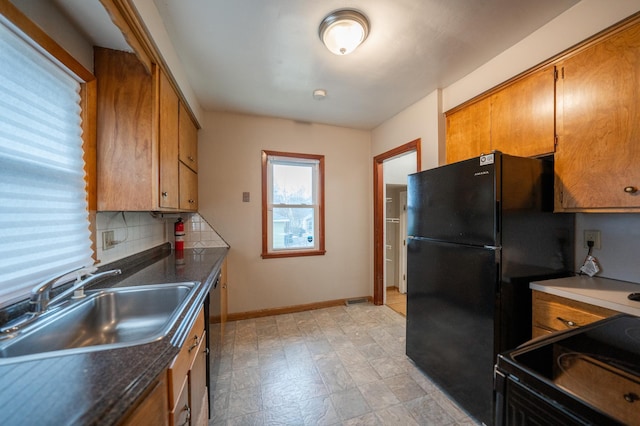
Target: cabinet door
x,y
469,131
523,115
188,140
188,189
198,386
168,134
181,413
598,116
127,156
153,408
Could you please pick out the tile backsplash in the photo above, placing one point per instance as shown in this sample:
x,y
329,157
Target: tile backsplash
x,y
133,232
138,231
198,233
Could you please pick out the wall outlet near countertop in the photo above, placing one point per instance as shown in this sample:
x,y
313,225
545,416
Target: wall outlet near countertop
x,y
592,235
108,240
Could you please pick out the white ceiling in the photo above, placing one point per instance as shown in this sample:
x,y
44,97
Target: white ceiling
x,y
264,57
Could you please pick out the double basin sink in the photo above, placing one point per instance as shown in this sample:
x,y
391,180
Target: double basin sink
x,y
105,319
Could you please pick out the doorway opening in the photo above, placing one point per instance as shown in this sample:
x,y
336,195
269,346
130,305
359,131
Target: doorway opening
x,y
390,171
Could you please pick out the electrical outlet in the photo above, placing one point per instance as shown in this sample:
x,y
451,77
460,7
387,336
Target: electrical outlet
x,y
592,235
108,240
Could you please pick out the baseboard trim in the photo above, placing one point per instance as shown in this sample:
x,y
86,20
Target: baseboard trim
x,y
288,309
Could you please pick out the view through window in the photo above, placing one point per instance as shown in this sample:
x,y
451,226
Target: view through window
x,y
293,186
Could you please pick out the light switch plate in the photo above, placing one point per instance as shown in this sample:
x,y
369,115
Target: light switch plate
x,y
246,197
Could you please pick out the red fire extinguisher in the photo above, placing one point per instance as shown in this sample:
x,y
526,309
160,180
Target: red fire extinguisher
x,y
179,234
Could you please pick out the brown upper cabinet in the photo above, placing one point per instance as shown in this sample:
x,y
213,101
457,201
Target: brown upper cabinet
x,y
518,119
597,162
522,115
188,140
469,131
168,133
582,106
139,137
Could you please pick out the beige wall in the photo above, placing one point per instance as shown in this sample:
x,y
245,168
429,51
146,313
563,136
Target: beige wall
x,y
425,119
230,148
153,21
421,120
570,28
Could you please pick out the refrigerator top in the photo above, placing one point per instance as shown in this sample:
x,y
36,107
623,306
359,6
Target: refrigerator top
x,y
466,202
455,203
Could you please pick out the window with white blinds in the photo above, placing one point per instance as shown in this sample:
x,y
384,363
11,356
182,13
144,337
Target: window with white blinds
x,y
44,226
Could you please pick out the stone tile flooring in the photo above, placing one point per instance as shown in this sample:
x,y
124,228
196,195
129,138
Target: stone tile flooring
x,y
335,366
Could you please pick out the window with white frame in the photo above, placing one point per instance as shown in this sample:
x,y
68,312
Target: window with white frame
x,y
44,218
292,204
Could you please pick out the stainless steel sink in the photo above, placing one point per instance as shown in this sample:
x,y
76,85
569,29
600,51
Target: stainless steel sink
x,y
105,319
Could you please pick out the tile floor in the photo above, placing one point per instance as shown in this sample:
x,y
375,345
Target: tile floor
x,y
337,366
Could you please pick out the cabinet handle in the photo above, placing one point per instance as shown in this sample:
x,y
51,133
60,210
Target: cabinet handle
x,y
630,189
165,194
188,419
195,343
631,397
190,158
192,201
568,323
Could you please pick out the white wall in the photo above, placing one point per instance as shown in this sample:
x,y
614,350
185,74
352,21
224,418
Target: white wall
x,y
153,21
424,119
229,159
570,28
621,245
421,120
58,27
619,257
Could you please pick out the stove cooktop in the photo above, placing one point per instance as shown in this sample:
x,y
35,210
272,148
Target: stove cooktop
x,y
598,364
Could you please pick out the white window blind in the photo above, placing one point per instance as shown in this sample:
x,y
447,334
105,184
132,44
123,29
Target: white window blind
x,y
44,227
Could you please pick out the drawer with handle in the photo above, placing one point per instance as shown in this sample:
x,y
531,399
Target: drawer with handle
x,y
555,313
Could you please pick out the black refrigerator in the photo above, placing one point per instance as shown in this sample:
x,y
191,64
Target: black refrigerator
x,y
479,231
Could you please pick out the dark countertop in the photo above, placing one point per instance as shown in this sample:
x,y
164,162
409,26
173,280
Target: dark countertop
x,y
99,387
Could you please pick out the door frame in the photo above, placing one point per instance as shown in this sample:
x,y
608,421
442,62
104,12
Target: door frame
x,y
378,213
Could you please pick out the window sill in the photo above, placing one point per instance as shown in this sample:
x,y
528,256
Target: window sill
x,y
297,253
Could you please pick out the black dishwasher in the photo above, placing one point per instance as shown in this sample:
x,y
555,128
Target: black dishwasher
x,y
586,376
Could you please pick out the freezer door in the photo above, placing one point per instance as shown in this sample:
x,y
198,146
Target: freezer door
x,y
455,203
451,298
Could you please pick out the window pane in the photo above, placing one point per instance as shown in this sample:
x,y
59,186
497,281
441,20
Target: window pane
x,y
293,228
44,223
292,184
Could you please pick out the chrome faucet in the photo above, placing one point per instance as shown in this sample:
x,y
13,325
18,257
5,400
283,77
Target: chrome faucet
x,y
39,301
81,284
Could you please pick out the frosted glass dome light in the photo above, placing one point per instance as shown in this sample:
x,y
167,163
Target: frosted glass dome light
x,y
342,31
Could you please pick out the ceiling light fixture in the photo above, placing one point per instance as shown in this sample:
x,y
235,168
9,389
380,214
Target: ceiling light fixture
x,y
343,30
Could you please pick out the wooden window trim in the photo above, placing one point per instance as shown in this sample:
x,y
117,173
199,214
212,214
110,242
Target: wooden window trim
x,y
321,202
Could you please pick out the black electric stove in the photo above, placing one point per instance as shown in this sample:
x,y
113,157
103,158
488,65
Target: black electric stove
x,y
586,376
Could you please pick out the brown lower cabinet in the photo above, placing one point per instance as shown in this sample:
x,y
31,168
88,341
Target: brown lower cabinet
x,y
153,408
179,397
186,377
554,313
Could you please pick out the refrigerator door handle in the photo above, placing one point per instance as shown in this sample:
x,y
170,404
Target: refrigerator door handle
x,y
492,247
